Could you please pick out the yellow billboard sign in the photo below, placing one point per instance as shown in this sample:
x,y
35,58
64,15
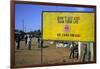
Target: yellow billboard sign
x,y
69,26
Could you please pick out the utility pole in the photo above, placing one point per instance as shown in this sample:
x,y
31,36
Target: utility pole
x,y
23,24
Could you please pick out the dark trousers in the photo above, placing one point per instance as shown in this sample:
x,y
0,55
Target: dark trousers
x,y
71,53
74,52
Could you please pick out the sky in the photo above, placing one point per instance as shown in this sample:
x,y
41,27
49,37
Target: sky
x,y
29,16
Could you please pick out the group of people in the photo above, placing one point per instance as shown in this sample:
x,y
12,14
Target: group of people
x,y
85,51
28,41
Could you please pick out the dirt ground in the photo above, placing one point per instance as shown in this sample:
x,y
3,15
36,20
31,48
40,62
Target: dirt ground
x,y
50,55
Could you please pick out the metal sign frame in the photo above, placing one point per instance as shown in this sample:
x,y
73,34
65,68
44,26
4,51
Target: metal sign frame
x,y
12,36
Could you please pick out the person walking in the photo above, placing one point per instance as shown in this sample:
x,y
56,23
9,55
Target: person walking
x,y
18,42
26,40
39,42
29,44
72,50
